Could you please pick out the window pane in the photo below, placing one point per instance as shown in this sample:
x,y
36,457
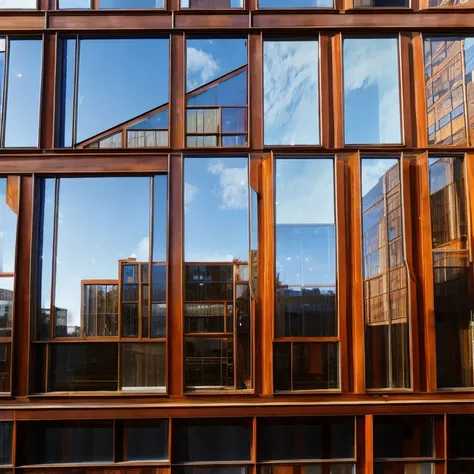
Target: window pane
x,y
5,367
295,3
308,438
211,470
404,468
211,440
131,4
308,469
23,97
451,3
305,248
146,440
6,306
453,317
212,4
74,3
83,367
461,436
9,199
403,437
216,247
371,91
143,366
17,4
106,79
57,442
291,94
449,81
6,432
385,277
381,3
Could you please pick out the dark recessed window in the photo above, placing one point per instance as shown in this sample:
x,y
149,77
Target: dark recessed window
x,y
210,4
305,438
461,436
295,4
211,440
145,440
6,436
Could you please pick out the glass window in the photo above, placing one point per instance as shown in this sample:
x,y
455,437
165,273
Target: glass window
x,y
217,293
283,439
381,3
295,4
291,92
451,3
58,442
450,242
371,91
216,92
18,4
114,95
23,93
387,339
74,3
6,436
104,278
210,440
326,468
306,274
460,436
145,440
449,65
132,4
211,4
404,468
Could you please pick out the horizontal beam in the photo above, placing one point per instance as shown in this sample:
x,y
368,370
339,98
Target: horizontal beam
x,y
153,21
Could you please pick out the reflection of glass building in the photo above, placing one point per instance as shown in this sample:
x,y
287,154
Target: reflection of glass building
x,y
385,284
449,67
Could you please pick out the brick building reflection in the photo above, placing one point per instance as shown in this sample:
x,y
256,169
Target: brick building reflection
x,y
449,67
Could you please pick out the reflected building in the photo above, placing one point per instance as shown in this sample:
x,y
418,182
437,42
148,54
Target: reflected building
x,y
449,66
385,284
6,312
453,313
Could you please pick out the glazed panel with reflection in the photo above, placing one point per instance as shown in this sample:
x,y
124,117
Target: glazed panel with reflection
x,y
449,66
216,98
306,341
84,286
210,4
452,283
116,4
387,340
217,300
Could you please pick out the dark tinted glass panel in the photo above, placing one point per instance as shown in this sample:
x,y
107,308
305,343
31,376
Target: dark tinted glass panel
x,y
5,367
385,276
371,91
108,70
402,468
83,367
196,441
282,366
23,93
308,469
460,467
308,438
381,3
212,3
211,470
305,248
461,436
146,441
403,437
6,431
453,315
67,92
131,3
295,3
291,94
52,442
449,62
143,366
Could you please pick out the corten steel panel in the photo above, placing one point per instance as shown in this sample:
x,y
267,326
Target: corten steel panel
x,y
27,21
199,20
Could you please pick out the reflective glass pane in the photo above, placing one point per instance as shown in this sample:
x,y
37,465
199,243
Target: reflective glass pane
x,y
308,469
385,277
461,436
212,470
143,366
131,3
119,79
9,206
211,440
23,94
404,468
146,440
74,3
212,4
6,434
305,248
381,3
83,367
451,3
298,438
291,94
67,92
59,442
295,3
5,367
449,65
403,437
17,4
371,91
460,467
6,306
453,314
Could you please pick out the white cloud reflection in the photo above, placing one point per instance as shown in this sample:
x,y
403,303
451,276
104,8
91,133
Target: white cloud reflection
x,y
233,185
18,4
370,62
201,67
291,97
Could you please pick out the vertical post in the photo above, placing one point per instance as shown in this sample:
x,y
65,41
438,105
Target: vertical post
x,y
356,312
419,92
336,91
255,86
21,342
46,132
177,93
424,265
175,344
407,92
